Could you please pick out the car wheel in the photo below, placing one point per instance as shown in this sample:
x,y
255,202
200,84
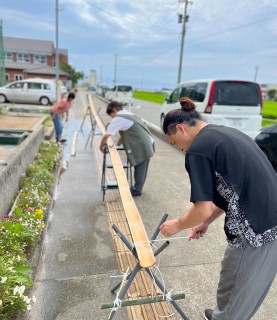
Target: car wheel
x,y
44,101
2,98
162,121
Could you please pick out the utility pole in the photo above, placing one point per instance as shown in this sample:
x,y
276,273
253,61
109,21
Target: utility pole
x,y
182,19
115,69
2,58
57,50
256,73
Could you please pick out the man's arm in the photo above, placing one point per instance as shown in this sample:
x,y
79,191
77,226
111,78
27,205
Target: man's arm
x,y
103,142
119,141
201,229
200,212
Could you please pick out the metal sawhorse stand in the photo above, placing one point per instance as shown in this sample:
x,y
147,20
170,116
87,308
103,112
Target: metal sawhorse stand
x,y
92,121
113,184
131,276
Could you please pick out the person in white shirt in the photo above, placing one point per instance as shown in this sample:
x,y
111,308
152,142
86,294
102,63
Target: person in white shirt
x,y
136,139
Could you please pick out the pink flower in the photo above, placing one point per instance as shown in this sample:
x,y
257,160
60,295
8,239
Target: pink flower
x,y
5,216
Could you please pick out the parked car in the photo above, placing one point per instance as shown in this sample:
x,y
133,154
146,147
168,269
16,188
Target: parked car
x,y
103,89
34,90
233,103
267,141
92,88
63,89
121,93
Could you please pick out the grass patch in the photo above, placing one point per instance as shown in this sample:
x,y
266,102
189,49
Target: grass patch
x,y
150,96
266,123
270,110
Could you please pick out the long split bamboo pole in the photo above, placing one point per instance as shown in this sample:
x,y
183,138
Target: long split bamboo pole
x,y
140,240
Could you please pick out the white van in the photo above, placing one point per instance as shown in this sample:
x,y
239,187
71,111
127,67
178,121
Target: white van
x,y
33,90
233,103
122,93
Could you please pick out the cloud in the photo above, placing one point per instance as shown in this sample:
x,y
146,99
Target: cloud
x,y
222,37
23,19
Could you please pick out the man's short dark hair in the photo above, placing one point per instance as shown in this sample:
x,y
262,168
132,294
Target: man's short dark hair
x,y
71,96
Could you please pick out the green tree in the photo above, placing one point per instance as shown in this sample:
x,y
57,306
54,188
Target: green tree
x,y
74,75
272,94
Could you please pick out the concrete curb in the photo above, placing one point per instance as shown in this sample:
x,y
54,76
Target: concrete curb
x,y
16,166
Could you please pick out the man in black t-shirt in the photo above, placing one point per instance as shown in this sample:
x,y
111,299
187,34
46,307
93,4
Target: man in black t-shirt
x,y
228,168
229,174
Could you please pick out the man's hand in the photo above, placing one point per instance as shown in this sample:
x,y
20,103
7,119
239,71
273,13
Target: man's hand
x,y
102,148
170,228
198,231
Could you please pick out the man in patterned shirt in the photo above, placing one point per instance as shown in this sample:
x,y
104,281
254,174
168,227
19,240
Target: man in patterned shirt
x,y
228,173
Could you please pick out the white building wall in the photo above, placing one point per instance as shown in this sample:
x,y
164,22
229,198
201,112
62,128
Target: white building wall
x,y
92,78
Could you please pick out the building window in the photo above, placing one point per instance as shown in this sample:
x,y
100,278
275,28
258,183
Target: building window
x,y
18,77
7,77
40,59
23,57
8,56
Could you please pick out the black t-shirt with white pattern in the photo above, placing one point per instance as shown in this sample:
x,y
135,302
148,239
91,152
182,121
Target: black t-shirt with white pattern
x,y
227,167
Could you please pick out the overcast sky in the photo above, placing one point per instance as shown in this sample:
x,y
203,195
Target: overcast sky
x,y
224,38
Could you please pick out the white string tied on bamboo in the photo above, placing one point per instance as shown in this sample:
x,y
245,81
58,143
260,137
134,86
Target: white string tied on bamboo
x,y
141,243
167,296
125,275
117,304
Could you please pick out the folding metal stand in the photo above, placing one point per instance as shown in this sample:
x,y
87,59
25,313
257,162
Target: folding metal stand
x,y
87,113
131,276
92,121
113,184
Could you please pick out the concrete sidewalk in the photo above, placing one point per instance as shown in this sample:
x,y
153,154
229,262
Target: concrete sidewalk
x,y
73,276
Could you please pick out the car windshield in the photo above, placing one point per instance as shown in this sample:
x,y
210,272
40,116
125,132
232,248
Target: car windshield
x,y
237,93
125,88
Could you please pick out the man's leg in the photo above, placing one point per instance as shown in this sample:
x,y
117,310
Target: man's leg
x,y
140,173
245,279
58,124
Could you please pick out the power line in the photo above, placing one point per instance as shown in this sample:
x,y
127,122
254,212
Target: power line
x,y
232,29
135,22
195,40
